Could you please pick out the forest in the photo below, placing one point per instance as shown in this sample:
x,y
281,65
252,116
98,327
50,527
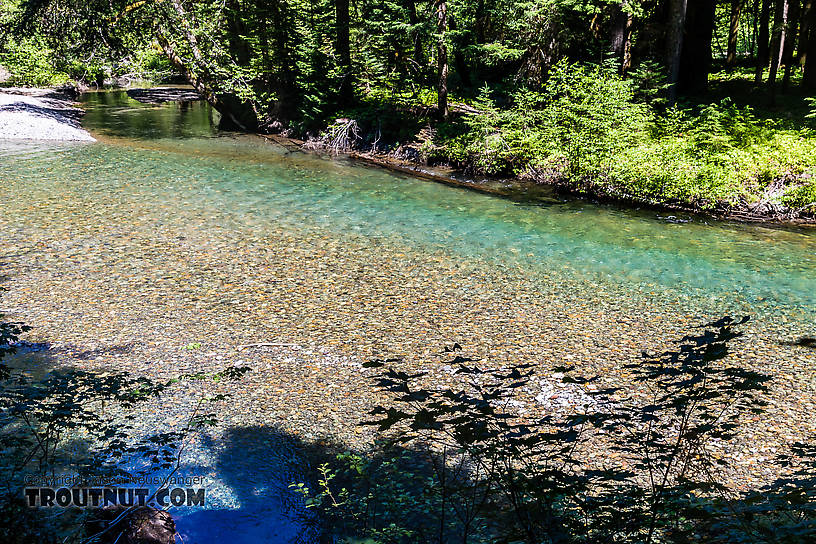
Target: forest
x,y
701,105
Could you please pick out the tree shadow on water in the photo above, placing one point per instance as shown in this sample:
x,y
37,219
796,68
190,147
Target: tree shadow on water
x,y
458,464
250,500
454,461
68,429
265,477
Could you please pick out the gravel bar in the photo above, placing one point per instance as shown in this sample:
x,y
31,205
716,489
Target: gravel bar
x,y
40,114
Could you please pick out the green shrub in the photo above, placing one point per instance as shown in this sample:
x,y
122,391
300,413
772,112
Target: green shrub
x,y
801,196
723,154
31,63
592,131
583,117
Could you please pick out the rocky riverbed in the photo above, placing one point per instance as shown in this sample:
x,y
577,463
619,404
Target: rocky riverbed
x,y
113,289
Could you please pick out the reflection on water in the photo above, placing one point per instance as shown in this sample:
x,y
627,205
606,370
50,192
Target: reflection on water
x,y
115,114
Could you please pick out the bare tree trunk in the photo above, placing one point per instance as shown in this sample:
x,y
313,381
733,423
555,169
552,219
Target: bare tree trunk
x,y
763,41
196,72
777,43
192,41
804,32
621,38
695,58
442,58
733,32
626,61
618,33
674,44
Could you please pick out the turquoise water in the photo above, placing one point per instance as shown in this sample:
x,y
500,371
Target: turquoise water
x,y
170,156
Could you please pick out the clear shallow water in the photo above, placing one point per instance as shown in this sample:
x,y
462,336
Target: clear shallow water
x,y
85,218
170,157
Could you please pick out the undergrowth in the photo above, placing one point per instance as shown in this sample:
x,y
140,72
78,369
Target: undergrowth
x,y
591,131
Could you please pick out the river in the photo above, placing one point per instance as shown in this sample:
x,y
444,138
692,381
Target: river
x,y
167,245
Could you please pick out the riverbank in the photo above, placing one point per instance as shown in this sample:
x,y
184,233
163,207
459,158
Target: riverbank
x,y
768,181
40,114
423,154
524,189
527,188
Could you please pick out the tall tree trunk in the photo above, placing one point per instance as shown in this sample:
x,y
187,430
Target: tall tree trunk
x,y
777,43
341,10
621,37
695,59
804,32
481,20
617,35
763,41
809,78
442,58
674,44
413,19
790,42
733,32
236,32
626,61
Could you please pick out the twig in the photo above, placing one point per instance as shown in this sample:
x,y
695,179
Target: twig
x,y
268,345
